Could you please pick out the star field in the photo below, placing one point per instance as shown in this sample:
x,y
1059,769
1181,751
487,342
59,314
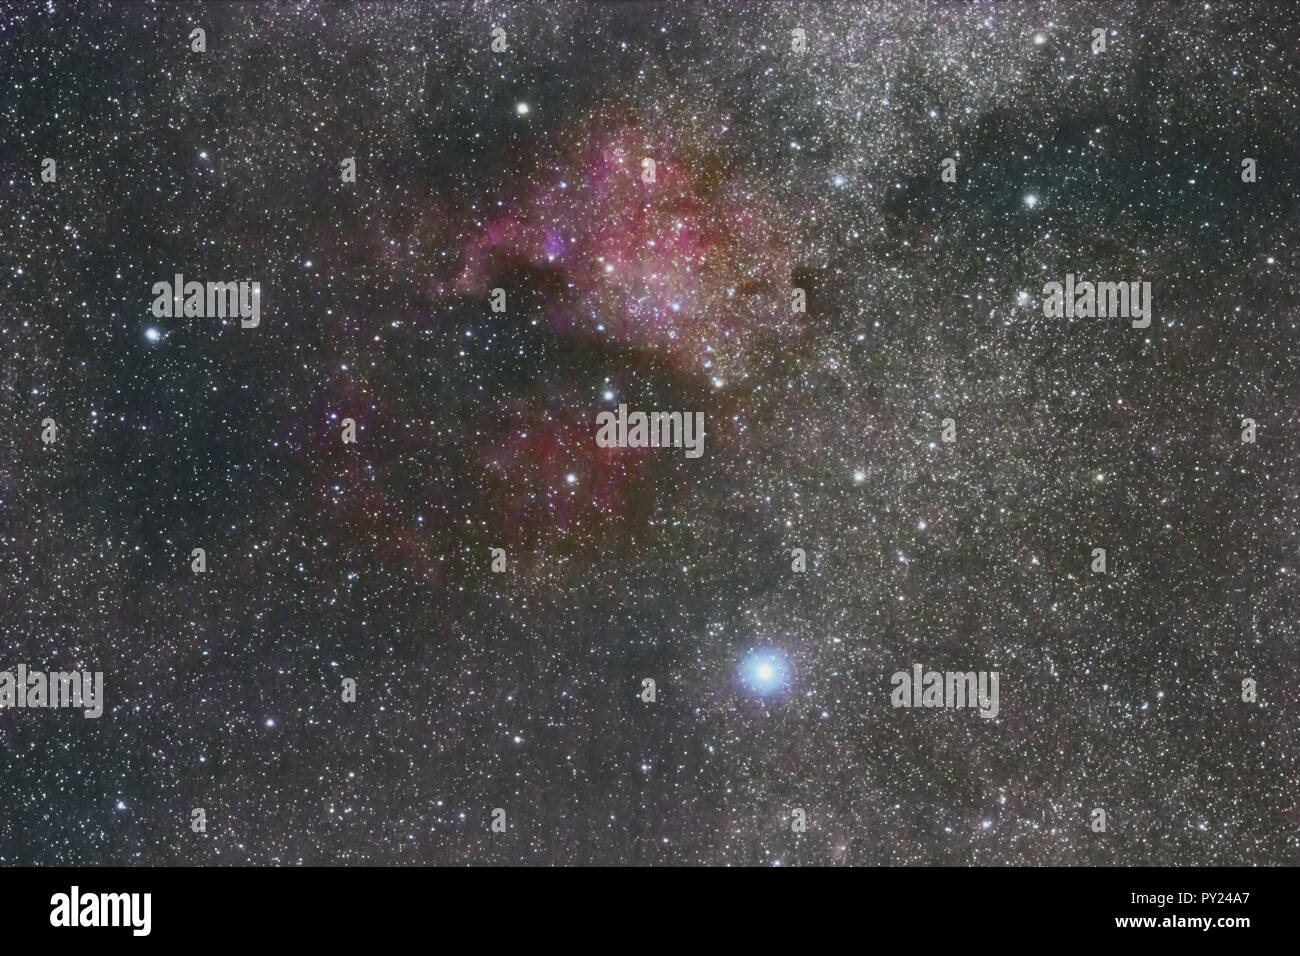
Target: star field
x,y
774,173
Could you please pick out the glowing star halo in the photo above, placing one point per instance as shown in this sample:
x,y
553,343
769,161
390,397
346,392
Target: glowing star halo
x,y
766,672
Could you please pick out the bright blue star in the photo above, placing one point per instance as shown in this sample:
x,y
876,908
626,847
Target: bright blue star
x,y
766,671
153,335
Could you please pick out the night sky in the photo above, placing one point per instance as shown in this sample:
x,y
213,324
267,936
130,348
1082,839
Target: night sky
x,y
522,170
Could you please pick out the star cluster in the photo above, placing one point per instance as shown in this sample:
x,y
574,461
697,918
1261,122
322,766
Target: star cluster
x,y
522,688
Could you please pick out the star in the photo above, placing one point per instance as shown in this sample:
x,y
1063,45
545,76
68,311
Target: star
x,y
765,672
